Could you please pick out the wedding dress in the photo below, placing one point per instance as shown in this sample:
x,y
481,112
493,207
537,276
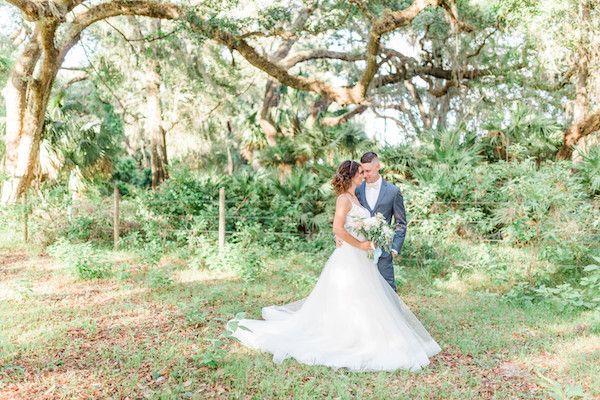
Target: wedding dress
x,y
352,319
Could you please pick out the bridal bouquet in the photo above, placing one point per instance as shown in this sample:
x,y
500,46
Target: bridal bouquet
x,y
377,230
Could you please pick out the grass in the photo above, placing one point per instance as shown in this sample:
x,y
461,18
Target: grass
x,y
127,337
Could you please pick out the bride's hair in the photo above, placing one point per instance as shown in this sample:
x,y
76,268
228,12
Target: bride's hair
x,y
343,177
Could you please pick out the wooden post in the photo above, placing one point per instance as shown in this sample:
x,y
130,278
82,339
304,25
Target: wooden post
x,y
25,217
116,216
221,220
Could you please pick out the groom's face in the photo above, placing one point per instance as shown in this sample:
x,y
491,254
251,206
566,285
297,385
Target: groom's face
x,y
371,170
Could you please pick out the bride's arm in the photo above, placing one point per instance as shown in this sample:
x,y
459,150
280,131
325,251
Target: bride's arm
x,y
342,207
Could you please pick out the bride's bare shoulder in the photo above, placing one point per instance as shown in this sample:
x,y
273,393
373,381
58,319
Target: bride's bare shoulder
x,y
343,200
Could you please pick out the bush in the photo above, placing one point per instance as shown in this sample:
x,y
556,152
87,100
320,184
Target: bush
x,y
588,171
584,293
83,259
542,203
447,165
159,278
245,259
259,201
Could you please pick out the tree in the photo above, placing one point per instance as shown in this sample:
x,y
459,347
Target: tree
x,y
59,25
34,72
154,112
584,123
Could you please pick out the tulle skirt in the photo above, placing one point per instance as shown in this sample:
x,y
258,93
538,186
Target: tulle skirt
x,y
352,319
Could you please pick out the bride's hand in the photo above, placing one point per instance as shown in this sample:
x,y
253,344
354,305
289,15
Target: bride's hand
x,y
367,245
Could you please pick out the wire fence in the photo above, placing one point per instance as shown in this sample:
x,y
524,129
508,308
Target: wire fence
x,y
223,210
236,202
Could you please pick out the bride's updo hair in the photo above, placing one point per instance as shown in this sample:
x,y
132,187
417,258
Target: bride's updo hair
x,y
342,179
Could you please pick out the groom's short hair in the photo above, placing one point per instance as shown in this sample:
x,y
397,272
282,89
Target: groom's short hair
x,y
368,157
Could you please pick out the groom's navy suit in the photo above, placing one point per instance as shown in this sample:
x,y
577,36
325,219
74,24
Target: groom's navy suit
x,y
389,203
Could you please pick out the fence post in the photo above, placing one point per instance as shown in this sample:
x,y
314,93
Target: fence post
x,y
25,217
221,220
116,215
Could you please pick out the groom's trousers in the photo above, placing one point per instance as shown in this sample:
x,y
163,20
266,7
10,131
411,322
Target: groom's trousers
x,y
385,266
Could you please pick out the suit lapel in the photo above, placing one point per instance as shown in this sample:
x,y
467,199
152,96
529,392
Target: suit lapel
x,y
362,193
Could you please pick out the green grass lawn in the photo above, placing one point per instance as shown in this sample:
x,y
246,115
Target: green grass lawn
x,y
125,338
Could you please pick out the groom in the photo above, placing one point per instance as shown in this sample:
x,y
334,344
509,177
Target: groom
x,y
380,196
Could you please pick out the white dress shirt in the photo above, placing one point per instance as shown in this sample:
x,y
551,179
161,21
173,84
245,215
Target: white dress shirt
x,y
372,192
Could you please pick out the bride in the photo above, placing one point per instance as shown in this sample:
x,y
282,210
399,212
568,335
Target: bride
x,y
352,318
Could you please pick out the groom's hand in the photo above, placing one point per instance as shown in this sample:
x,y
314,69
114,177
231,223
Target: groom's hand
x,y
394,253
338,242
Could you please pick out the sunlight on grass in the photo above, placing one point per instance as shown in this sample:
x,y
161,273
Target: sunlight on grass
x,y
195,275
165,340
453,284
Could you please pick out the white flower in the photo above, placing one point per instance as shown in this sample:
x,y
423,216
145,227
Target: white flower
x,y
376,229
370,223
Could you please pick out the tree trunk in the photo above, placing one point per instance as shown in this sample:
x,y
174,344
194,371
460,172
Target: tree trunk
x,y
318,108
26,97
577,131
158,148
228,147
581,104
154,123
270,101
442,111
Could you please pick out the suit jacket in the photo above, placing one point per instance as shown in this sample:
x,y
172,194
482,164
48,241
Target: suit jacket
x,y
389,203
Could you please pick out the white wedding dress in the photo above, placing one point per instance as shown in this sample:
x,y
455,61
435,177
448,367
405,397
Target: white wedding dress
x,y
352,319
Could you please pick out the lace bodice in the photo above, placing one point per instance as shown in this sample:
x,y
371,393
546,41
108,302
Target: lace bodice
x,y
355,214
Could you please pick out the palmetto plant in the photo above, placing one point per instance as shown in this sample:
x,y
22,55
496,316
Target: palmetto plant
x,y
449,159
542,202
87,138
399,161
313,144
285,152
452,147
299,199
589,170
527,134
349,139
253,139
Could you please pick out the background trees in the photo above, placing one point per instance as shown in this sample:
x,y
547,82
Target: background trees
x,y
421,66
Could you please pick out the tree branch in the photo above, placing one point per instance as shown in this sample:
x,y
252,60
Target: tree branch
x,y
27,7
452,13
363,9
307,55
152,9
394,119
81,76
576,132
342,119
44,9
482,44
390,21
425,115
279,33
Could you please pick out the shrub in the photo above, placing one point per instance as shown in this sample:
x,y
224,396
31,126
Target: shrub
x,y
85,261
159,278
583,293
588,170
